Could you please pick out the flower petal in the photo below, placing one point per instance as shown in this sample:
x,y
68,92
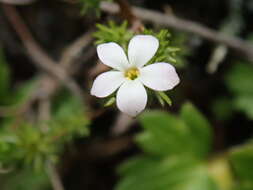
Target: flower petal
x,y
112,55
106,83
131,97
141,49
159,76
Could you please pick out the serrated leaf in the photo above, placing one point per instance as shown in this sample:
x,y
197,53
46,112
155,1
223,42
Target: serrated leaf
x,y
150,173
199,128
165,134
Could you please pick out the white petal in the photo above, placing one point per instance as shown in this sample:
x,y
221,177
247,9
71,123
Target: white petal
x,y
112,55
131,97
106,83
159,76
141,49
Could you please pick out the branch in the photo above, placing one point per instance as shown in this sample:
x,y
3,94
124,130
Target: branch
x,y
54,177
17,2
37,54
74,49
187,26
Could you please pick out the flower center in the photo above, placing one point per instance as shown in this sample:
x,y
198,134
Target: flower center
x,y
132,73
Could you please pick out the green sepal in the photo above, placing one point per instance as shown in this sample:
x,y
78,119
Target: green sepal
x,y
162,98
110,102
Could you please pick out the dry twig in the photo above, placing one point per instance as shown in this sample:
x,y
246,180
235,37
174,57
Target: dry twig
x,y
37,54
17,2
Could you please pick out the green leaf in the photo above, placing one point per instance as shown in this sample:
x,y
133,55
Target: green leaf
x,y
166,134
241,158
199,127
149,173
245,104
239,81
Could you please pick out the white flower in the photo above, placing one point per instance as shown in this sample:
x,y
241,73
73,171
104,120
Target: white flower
x,y
130,75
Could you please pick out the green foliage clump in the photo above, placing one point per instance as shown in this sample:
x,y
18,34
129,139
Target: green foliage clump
x,y
29,145
113,33
170,48
239,81
24,180
166,52
175,149
29,142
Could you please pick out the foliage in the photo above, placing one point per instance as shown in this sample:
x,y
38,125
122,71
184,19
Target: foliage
x,y
176,156
167,52
239,81
241,159
31,146
24,180
169,48
176,149
26,143
113,33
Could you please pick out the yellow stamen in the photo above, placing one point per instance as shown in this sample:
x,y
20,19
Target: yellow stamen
x,y
132,73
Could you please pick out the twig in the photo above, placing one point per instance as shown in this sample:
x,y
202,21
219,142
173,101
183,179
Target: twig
x,y
127,13
54,177
44,114
74,50
185,25
17,2
39,57
122,124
